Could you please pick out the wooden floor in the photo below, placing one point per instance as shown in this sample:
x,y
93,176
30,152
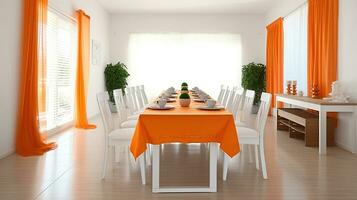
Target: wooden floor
x,y
73,172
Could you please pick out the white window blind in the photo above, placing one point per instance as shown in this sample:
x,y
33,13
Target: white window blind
x,y
295,48
60,71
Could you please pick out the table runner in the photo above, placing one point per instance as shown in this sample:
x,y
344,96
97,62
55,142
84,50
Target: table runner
x,y
185,125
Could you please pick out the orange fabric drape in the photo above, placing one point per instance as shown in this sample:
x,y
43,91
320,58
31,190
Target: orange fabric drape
x,y
322,45
83,63
275,59
28,138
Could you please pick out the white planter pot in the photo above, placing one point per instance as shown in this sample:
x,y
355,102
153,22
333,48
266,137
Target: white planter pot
x,y
112,107
185,102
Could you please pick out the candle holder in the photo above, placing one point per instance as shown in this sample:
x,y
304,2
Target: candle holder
x,y
315,91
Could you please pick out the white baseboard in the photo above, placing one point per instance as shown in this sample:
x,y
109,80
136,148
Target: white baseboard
x,y
343,146
7,154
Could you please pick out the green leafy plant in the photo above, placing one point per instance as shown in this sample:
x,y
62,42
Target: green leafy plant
x,y
115,78
184,88
253,78
184,84
184,96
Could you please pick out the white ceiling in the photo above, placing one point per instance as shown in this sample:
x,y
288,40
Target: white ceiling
x,y
187,6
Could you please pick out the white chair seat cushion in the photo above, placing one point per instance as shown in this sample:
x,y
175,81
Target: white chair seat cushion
x,y
129,124
247,135
132,117
122,134
241,124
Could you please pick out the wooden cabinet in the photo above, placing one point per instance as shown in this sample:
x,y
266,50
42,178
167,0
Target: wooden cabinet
x,y
304,124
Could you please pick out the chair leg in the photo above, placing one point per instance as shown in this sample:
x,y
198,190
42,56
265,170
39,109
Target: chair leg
x,y
225,166
262,157
105,164
250,152
117,153
256,157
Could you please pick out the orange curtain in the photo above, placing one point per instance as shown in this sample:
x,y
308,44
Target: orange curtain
x,y
275,58
322,45
83,63
28,138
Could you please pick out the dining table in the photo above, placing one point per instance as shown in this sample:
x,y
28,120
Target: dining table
x,y
184,125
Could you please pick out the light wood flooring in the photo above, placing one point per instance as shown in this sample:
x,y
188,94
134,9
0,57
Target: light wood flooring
x,y
73,171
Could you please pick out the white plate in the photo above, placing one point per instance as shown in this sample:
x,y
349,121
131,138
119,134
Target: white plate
x,y
199,100
156,107
209,108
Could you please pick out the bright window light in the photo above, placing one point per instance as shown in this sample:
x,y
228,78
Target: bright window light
x,y
203,60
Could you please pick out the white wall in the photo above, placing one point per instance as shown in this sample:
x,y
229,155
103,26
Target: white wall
x,y
250,27
10,34
10,39
347,59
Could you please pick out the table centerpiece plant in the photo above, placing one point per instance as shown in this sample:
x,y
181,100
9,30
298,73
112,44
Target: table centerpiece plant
x,y
184,90
184,100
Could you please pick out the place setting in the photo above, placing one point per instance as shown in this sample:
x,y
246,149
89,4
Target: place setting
x,y
210,104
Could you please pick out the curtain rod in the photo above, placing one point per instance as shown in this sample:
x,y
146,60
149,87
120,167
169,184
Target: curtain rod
x,y
301,5
61,13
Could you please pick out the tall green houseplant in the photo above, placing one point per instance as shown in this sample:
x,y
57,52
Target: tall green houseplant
x,y
253,78
115,78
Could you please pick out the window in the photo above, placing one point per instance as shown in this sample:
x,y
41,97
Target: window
x,y
60,71
203,60
295,48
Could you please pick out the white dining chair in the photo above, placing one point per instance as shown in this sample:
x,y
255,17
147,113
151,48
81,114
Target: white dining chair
x,y
140,98
220,95
229,105
254,136
143,94
237,103
225,97
114,137
245,118
124,121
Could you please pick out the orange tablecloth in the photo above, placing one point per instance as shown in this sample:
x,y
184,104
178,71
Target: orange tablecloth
x,y
185,125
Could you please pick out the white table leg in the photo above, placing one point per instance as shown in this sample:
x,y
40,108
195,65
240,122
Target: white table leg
x,y
155,168
213,167
142,168
322,132
225,166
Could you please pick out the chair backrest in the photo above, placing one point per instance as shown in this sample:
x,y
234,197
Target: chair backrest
x,y
139,97
225,98
231,99
103,99
129,101
220,95
237,102
134,99
120,104
262,116
143,94
247,105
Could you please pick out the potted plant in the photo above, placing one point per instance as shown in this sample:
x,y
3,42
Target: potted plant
x,y
184,89
115,78
184,84
253,78
184,100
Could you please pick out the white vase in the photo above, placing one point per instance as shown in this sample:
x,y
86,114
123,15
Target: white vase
x,y
185,102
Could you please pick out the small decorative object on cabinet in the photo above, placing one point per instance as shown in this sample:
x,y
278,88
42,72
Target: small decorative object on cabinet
x,y
337,93
288,87
293,88
315,91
